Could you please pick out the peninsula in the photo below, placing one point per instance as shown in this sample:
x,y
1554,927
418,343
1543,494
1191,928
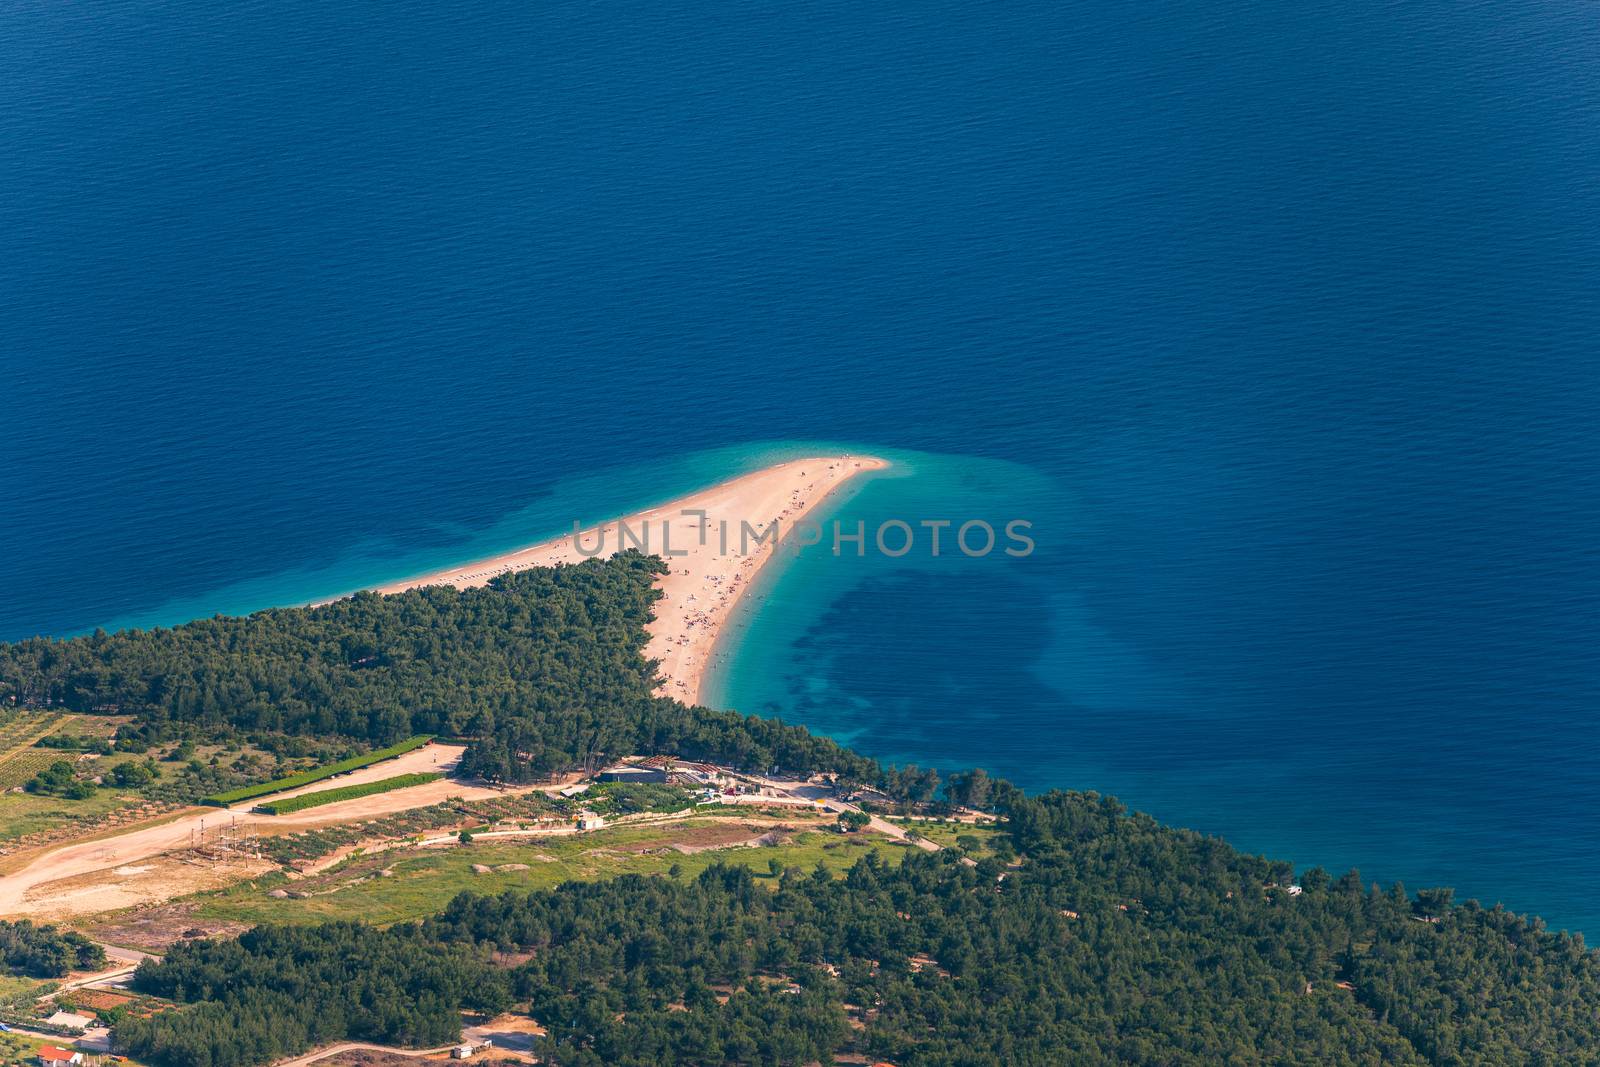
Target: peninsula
x,y
707,574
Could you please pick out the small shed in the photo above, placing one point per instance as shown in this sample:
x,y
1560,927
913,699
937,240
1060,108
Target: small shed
x,y
633,775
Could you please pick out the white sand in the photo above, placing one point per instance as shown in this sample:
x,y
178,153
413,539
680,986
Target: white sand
x,y
705,583
701,589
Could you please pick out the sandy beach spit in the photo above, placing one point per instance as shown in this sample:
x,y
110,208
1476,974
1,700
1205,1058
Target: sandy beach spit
x,y
701,589
712,574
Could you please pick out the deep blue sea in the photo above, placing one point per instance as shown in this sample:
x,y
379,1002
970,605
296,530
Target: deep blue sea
x,y
1280,323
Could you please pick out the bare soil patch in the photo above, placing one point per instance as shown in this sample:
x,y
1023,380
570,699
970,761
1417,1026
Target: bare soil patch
x,y
99,1000
157,928
157,879
705,837
369,1058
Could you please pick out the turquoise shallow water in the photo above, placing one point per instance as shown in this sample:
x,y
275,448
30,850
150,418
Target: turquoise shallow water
x,y
1279,323
586,499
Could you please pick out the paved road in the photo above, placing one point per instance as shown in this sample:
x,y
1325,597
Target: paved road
x,y
125,962
96,1038
127,955
115,974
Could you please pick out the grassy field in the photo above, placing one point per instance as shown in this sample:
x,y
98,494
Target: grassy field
x,y
14,986
423,881
294,781
17,1049
24,813
348,792
945,834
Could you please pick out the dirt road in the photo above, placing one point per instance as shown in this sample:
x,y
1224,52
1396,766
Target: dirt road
x,y
824,796
510,1035
358,1046
54,883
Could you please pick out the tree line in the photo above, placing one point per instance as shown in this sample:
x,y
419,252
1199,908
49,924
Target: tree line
x,y
46,951
1110,938
542,669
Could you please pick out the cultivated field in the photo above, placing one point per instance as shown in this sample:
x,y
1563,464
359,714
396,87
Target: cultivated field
x,y
19,760
345,792
317,774
27,819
